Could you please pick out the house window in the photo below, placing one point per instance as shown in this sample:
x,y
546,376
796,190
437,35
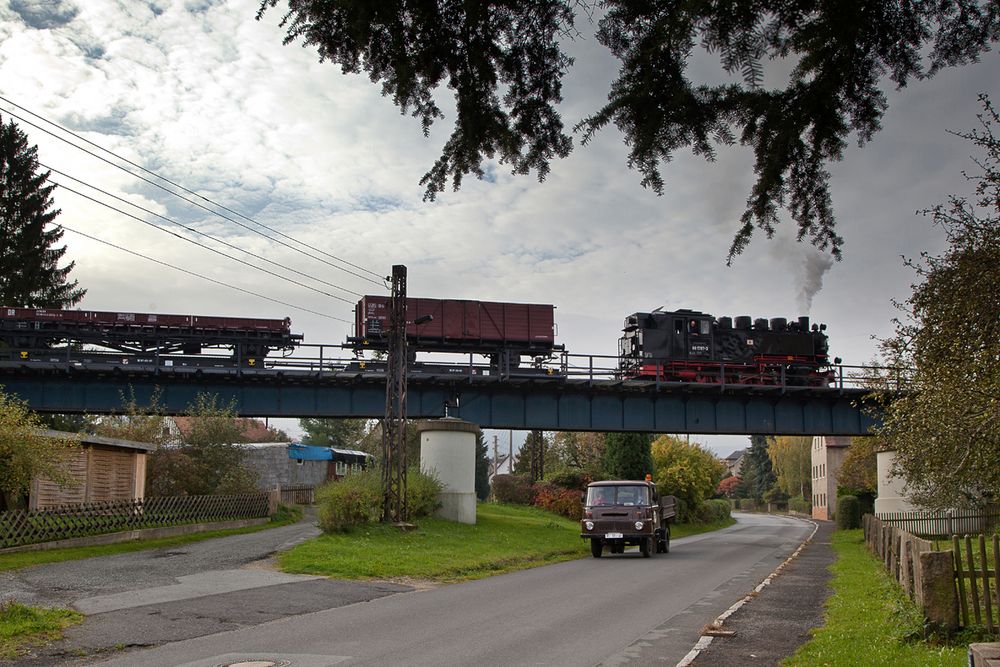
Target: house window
x,y
340,468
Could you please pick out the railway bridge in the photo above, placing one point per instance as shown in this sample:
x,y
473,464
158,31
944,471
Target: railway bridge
x,y
575,394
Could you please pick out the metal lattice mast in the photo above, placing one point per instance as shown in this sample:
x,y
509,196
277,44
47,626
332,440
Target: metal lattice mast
x,y
393,429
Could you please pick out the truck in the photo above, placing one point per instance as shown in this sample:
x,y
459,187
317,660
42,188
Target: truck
x,y
620,513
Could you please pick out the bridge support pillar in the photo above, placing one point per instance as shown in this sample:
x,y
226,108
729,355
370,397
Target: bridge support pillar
x,y
448,450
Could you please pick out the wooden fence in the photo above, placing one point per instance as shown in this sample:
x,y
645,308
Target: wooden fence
x,y
944,524
973,579
22,527
946,585
298,495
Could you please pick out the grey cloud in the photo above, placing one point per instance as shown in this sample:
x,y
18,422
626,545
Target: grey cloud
x,y
44,14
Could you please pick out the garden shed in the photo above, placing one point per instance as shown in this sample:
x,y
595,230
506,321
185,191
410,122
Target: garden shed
x,y
102,469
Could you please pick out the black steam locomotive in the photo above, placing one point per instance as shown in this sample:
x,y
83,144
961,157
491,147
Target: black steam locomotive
x,y
690,346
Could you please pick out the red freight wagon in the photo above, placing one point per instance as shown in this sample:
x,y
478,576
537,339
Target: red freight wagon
x,y
457,325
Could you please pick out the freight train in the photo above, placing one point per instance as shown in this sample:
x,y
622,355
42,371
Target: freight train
x,y
671,346
26,330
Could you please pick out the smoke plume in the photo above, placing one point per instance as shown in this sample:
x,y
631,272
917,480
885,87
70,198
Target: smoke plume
x,y
814,265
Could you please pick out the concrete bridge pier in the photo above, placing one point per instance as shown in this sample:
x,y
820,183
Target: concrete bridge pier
x,y
448,451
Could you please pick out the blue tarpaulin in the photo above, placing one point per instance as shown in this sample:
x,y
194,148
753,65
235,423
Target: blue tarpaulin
x,y
302,452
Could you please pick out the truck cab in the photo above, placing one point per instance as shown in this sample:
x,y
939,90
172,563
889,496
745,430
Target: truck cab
x,y
620,513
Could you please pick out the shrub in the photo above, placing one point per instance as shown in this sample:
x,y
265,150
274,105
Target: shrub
x,y
713,511
514,489
800,504
559,500
351,501
423,493
570,479
848,512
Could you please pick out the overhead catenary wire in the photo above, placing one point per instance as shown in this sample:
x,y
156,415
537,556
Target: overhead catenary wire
x,y
380,281
200,245
203,277
194,231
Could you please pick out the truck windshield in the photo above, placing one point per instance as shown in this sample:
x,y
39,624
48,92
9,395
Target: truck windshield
x,y
624,494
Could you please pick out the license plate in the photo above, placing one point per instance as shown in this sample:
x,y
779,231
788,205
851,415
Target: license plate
x,y
613,536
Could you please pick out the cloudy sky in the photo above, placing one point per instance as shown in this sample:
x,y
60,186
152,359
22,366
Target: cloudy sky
x,y
202,94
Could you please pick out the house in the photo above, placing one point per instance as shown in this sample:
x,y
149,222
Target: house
x,y
734,462
502,465
828,454
101,469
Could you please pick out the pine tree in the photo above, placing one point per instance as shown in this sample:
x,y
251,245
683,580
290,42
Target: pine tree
x,y
30,276
482,468
758,475
627,455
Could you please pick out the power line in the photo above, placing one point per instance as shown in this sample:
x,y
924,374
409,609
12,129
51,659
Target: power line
x,y
203,277
380,282
195,231
201,245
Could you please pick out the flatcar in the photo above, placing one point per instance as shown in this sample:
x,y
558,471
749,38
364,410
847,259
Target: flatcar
x,y
503,331
144,333
691,346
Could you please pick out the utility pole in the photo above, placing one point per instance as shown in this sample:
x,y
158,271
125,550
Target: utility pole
x,y
394,426
496,462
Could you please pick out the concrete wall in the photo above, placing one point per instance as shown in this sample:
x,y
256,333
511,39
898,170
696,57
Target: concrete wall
x,y
271,462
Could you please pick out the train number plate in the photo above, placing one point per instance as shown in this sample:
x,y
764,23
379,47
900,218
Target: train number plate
x,y
613,536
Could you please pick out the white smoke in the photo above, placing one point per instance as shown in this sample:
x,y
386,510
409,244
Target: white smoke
x,y
814,265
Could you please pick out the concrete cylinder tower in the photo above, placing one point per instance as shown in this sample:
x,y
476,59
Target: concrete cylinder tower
x,y
448,451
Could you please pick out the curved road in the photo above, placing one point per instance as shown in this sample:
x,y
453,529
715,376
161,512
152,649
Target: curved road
x,y
614,610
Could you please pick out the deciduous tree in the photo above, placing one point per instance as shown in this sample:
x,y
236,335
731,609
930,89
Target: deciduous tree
x,y
24,454
505,63
791,462
686,470
946,428
30,276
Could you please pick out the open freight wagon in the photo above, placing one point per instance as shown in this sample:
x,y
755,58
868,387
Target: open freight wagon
x,y
491,328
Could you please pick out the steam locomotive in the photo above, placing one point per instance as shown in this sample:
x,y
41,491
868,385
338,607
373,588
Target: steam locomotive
x,y
691,346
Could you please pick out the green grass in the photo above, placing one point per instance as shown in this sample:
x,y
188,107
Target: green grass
x,y
21,627
869,620
505,538
13,561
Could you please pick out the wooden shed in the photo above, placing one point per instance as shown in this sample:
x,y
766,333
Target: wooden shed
x,y
103,469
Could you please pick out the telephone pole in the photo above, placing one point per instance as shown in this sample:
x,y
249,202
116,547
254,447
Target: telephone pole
x,y
394,425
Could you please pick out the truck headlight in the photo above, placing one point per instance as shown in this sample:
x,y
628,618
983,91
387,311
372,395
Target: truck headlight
x,y
639,525
589,525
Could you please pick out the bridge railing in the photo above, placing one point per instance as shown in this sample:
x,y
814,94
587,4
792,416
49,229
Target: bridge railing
x,y
332,360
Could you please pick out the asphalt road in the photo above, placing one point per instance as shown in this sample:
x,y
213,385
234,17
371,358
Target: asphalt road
x,y
614,610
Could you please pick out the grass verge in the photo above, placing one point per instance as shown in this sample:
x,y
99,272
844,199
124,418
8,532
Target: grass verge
x,y
14,561
869,620
505,538
22,626
684,529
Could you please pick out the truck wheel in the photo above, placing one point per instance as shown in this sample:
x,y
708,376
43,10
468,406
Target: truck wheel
x,y
645,547
596,548
666,541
